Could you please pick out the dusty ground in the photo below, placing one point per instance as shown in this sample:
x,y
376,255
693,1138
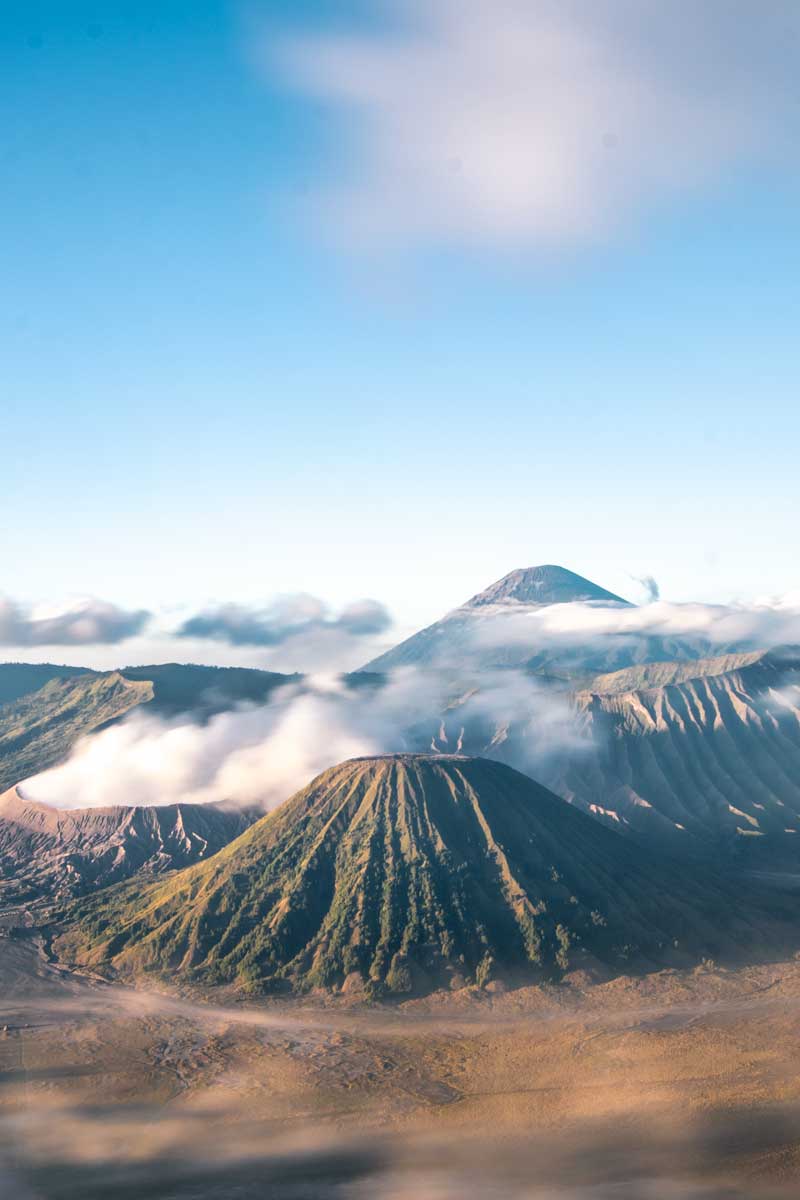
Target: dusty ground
x,y
675,1085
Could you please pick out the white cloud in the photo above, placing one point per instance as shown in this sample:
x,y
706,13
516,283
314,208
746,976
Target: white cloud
x,y
530,121
753,626
287,617
86,623
262,755
252,756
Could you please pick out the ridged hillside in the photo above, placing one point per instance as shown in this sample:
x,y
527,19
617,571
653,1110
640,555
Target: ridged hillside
x,y
48,852
39,728
705,753
716,756
20,679
405,871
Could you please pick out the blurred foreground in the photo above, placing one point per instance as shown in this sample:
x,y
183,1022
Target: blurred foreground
x,y
679,1085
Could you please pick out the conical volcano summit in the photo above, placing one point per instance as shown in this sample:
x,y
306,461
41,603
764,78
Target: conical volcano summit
x,y
404,871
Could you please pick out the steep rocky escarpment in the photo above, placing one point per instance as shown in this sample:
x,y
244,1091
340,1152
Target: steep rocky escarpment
x,y
47,852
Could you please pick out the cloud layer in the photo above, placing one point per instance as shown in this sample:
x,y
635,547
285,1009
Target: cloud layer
x,y
529,121
287,617
261,755
759,626
92,622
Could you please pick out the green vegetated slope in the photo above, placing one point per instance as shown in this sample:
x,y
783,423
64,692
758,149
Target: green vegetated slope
x,y
39,730
407,871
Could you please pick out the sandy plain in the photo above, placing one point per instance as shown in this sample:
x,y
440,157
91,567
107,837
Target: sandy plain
x,y
663,1086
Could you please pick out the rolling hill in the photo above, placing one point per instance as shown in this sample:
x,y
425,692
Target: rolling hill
x,y
404,872
47,852
203,691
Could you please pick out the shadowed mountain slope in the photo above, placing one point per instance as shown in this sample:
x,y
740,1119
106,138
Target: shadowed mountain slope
x,y
543,585
47,852
20,679
405,871
716,755
203,691
705,752
39,730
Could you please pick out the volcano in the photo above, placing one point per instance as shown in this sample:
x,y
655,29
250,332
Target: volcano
x,y
490,630
405,872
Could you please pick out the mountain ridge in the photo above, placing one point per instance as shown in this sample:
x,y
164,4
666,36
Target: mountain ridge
x,y
48,852
39,729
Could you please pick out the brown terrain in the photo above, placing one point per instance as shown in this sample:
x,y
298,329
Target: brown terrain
x,y
47,853
676,1085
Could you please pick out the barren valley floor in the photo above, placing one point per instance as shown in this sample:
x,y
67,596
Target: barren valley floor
x,y
669,1085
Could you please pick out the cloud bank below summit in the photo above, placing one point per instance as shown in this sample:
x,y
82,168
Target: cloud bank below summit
x,y
260,755
758,626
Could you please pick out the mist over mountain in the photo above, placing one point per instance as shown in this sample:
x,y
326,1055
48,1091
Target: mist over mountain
x,y
40,728
402,872
704,754
485,631
42,725
700,751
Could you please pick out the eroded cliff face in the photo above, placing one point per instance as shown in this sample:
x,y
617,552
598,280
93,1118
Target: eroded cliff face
x,y
716,757
706,753
52,853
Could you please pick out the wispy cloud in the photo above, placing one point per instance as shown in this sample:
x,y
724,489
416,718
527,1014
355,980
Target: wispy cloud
x,y
90,622
757,626
650,585
286,618
530,121
261,755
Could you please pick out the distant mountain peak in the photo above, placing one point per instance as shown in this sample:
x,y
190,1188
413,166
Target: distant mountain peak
x,y
546,584
450,642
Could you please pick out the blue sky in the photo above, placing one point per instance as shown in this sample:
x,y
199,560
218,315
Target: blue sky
x,y
216,389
